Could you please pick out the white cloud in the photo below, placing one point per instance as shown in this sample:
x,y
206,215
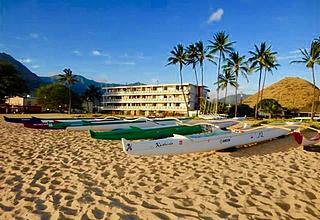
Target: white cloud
x,y
288,57
77,52
34,35
99,53
26,60
35,66
216,16
96,53
138,55
110,62
295,52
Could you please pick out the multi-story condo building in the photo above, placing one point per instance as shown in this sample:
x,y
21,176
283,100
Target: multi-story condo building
x,y
162,99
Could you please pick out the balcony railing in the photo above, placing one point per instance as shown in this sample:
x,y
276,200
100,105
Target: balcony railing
x,y
143,100
163,108
186,91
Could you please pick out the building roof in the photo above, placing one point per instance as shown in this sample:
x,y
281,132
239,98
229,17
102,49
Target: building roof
x,y
150,85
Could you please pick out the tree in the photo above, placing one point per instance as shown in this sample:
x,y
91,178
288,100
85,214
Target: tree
x,y
258,62
270,106
11,84
69,79
243,110
270,65
227,78
192,59
237,64
222,45
178,57
202,55
92,94
52,96
310,58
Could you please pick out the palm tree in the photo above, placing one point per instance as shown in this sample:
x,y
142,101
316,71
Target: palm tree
x,y
237,64
69,79
192,59
270,65
227,78
203,55
92,94
222,45
178,56
310,58
258,62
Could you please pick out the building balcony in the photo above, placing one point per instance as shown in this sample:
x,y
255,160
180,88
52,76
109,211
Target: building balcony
x,y
144,100
145,108
186,91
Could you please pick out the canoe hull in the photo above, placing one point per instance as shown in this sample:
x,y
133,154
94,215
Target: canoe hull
x,y
36,125
200,143
122,125
21,120
149,133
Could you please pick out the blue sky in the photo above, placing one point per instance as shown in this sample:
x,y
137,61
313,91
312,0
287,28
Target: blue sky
x,y
129,41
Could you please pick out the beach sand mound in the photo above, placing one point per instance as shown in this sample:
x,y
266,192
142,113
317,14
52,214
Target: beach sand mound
x,y
58,174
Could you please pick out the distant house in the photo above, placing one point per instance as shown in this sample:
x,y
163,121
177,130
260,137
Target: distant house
x,y
19,104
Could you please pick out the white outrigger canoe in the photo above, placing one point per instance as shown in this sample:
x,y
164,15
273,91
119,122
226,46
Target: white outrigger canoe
x,y
147,123
123,124
216,140
302,140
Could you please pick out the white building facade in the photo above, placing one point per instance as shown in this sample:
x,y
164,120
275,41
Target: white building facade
x,y
152,100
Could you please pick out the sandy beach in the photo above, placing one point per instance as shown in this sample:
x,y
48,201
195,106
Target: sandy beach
x,y
59,174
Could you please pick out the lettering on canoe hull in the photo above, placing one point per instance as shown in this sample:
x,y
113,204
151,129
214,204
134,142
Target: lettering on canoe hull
x,y
129,147
163,144
225,140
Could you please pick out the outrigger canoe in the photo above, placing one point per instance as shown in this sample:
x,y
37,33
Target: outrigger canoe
x,y
21,120
134,133
124,124
45,120
300,139
216,140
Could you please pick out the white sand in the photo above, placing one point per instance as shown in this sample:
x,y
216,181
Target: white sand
x,y
64,174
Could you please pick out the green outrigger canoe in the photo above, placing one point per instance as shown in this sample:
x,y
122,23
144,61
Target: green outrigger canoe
x,y
134,133
63,125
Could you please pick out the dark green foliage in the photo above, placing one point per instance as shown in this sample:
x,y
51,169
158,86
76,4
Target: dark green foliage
x,y
243,110
269,106
55,97
92,94
11,84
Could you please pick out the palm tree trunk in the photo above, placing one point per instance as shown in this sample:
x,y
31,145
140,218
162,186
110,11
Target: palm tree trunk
x,y
201,74
236,98
225,96
264,81
69,110
314,94
197,91
88,106
256,107
217,101
184,97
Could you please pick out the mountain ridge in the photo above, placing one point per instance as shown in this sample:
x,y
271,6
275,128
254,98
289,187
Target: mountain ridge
x,y
34,81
